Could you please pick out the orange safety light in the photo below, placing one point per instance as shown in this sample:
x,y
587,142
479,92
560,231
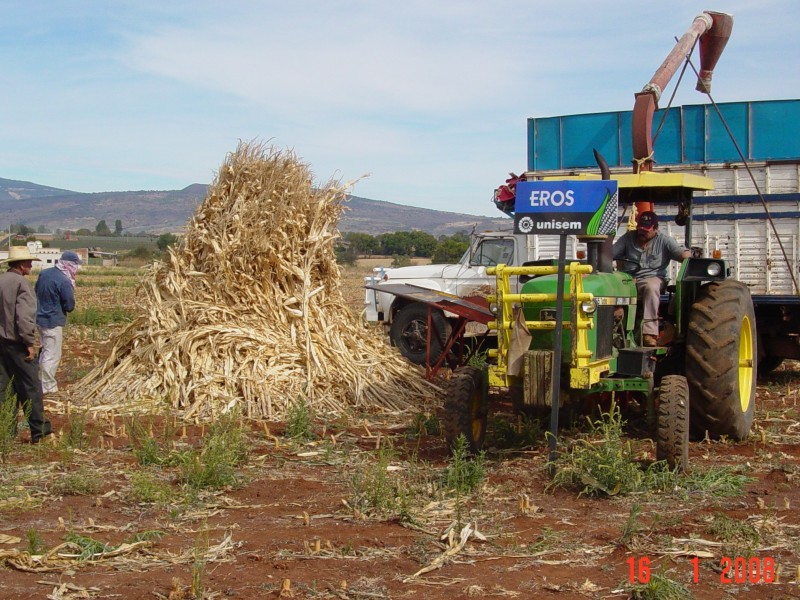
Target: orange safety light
x,y
717,253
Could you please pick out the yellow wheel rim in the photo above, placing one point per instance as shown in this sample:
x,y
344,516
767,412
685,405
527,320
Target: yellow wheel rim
x,y
745,364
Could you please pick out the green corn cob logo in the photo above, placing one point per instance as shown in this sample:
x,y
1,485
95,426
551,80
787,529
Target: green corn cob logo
x,y
604,220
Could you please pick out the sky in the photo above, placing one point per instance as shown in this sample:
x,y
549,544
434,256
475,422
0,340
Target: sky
x,y
420,102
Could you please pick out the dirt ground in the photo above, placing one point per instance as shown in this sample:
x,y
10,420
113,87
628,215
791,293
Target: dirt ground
x,y
292,527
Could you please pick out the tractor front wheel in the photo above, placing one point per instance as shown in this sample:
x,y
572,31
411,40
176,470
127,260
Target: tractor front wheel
x,y
466,408
721,361
672,427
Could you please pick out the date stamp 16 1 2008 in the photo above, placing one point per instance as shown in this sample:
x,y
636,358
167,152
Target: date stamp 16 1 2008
x,y
737,569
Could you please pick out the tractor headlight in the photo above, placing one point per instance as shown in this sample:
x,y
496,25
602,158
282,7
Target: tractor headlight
x,y
703,269
588,306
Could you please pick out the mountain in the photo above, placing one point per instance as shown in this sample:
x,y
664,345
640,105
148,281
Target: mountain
x,y
168,211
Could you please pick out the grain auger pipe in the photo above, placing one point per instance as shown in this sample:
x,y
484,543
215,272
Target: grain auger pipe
x,y
712,29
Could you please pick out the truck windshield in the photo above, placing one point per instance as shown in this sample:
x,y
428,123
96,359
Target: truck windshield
x,y
493,252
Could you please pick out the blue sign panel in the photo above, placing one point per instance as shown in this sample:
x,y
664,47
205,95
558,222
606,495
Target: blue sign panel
x,y
566,207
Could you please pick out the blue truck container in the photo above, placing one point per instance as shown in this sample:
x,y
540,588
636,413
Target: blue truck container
x,y
760,239
687,135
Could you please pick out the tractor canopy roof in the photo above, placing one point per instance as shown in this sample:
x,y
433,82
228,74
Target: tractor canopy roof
x,y
648,186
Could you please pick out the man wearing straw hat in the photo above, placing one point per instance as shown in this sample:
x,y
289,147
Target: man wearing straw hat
x,y
19,371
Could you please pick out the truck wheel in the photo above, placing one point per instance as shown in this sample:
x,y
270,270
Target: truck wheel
x,y
672,427
466,408
409,332
721,361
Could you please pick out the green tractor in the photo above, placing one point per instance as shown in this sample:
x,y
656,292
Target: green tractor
x,y
699,380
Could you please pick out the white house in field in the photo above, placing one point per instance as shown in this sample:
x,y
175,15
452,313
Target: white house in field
x,y
48,256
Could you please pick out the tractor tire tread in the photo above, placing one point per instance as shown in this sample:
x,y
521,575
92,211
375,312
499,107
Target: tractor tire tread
x,y
672,435
712,365
458,414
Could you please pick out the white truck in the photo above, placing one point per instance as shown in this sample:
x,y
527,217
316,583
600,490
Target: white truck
x,y
731,219
406,321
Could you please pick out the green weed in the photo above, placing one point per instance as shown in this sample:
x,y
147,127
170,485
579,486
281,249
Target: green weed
x,y
83,482
549,539
463,474
8,422
373,490
152,535
199,563
88,547
91,316
631,526
148,447
717,482
479,357
523,433
739,537
660,587
214,465
75,431
299,421
603,463
424,424
36,544
149,489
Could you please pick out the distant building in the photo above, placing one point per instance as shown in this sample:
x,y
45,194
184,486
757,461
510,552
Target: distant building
x,y
48,256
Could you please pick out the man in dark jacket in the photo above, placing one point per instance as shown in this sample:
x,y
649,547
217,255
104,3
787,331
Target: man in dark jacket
x,y
19,372
55,293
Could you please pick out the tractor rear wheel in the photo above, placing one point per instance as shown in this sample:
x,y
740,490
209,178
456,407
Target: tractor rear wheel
x,y
721,361
672,427
409,332
466,408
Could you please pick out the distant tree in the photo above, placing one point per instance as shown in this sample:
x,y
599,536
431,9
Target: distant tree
x,y
362,243
118,227
424,243
102,228
449,251
141,252
346,255
399,260
59,231
41,229
407,243
165,240
83,231
22,229
400,243
461,236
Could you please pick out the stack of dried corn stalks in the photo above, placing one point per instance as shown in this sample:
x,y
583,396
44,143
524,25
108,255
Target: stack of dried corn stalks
x,y
247,311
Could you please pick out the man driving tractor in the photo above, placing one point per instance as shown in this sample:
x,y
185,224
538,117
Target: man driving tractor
x,y
645,253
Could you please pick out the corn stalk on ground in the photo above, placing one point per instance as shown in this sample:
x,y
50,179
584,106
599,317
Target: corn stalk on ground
x,y
247,313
